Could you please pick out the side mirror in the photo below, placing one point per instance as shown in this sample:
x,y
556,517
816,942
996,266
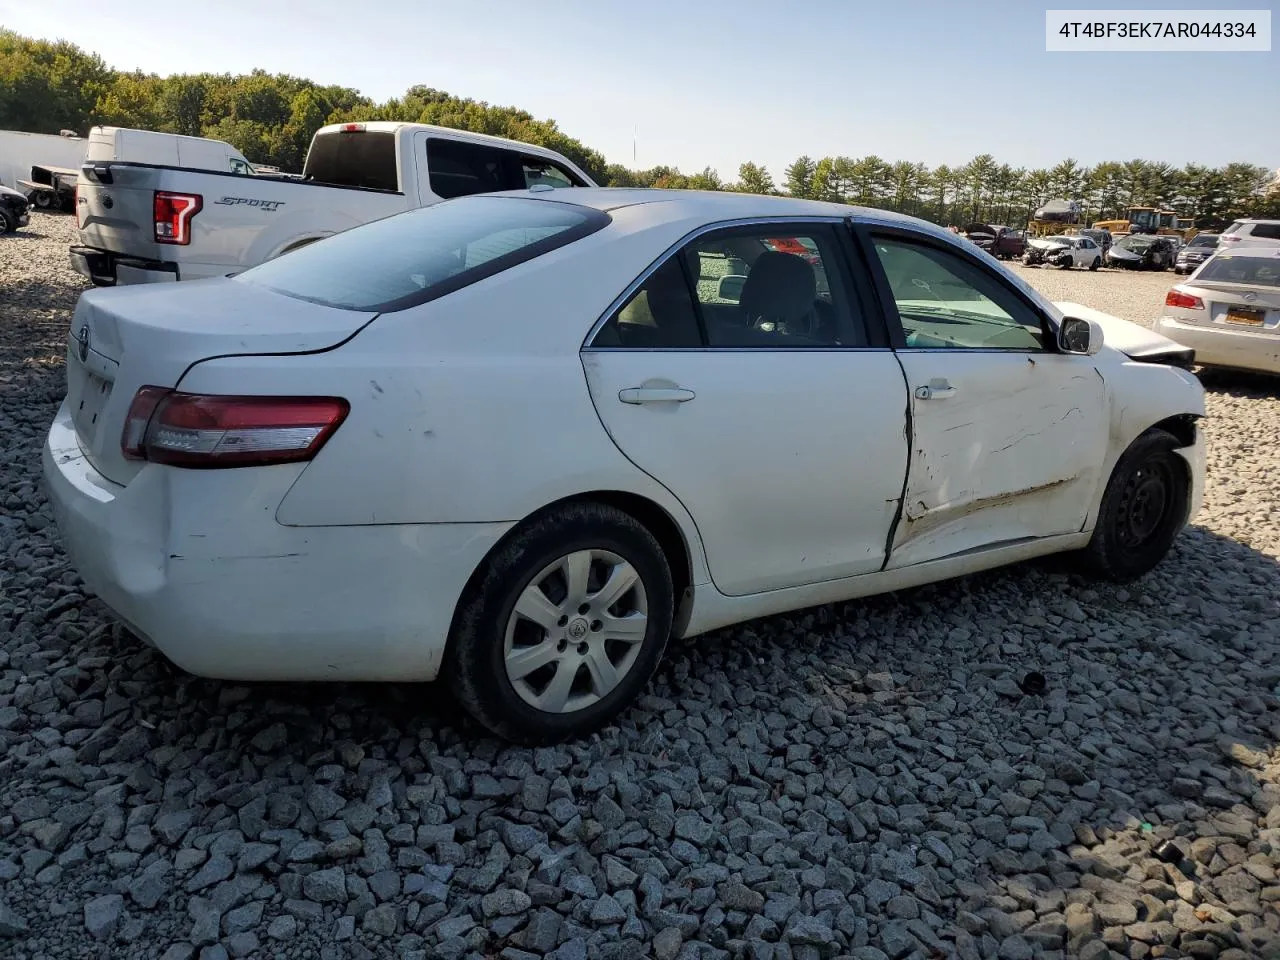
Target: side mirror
x,y
1078,336
730,287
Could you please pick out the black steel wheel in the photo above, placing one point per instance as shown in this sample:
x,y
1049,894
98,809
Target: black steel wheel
x,y
1143,509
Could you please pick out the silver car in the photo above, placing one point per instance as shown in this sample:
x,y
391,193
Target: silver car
x,y
1228,310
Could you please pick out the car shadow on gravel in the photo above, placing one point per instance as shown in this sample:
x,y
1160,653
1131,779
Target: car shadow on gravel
x,y
974,819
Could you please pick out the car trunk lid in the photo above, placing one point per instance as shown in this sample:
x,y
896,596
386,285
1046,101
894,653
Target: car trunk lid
x,y
125,338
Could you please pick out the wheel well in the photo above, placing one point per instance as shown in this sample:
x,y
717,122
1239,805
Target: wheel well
x,y
1183,426
654,518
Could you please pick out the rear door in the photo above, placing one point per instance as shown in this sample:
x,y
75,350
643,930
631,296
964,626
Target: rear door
x,y
1007,435
746,374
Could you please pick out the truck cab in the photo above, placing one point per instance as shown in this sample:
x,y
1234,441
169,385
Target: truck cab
x,y
149,223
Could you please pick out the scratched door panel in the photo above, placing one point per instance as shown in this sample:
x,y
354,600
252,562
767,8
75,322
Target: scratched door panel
x,y
1014,453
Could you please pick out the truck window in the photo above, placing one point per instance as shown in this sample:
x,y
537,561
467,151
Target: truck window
x,y
408,259
538,171
354,158
240,167
457,168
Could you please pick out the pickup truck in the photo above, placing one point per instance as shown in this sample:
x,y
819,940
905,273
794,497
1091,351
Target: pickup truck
x,y
150,223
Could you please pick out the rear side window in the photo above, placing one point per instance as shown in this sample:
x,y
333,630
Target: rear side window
x,y
411,258
354,158
1267,231
458,169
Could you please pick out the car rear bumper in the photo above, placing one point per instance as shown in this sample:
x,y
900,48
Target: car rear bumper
x,y
194,562
1219,347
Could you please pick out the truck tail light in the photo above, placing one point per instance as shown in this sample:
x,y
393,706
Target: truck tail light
x,y
353,128
1176,298
205,431
173,213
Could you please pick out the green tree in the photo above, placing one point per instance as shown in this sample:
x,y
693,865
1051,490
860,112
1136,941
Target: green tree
x,y
753,178
800,177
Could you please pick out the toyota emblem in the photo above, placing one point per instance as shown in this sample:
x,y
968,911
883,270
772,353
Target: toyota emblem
x,y
83,340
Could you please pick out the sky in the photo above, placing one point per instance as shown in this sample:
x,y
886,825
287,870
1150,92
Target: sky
x,y
694,84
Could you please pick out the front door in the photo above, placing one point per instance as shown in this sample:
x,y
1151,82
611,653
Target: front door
x,y
1008,435
741,375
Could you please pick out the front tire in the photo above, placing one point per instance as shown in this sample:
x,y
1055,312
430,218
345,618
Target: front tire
x,y
563,625
1097,262
6,225
1143,510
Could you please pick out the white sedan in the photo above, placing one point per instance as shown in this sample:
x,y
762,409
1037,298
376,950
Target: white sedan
x,y
1228,310
519,440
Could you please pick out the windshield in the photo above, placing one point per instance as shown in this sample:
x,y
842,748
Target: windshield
x,y
410,258
1136,244
1259,271
1204,240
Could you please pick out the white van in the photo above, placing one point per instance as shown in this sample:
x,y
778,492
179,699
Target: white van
x,y
125,145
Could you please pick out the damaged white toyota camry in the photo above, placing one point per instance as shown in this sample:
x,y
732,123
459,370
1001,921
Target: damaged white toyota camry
x,y
519,440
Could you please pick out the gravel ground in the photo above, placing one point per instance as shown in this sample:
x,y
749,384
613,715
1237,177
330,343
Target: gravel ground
x,y
864,780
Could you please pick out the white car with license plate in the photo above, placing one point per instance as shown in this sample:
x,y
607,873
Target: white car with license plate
x,y
1228,310
519,440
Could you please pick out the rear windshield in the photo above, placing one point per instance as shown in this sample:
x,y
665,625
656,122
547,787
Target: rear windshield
x,y
1263,271
410,258
355,158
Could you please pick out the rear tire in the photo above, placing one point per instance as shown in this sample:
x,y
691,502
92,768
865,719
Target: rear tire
x,y
42,200
1143,510
581,649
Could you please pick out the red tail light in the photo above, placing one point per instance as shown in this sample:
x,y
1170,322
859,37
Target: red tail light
x,y
352,127
173,213
1176,298
193,430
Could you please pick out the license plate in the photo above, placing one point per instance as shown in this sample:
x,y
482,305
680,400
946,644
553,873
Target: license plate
x,y
1251,318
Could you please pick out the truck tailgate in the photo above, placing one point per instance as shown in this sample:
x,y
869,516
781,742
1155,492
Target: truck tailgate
x,y
118,216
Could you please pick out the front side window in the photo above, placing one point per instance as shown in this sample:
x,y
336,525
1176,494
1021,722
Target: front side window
x,y
539,172
413,257
946,302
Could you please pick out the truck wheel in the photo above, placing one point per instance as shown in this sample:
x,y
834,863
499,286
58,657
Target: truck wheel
x,y
42,200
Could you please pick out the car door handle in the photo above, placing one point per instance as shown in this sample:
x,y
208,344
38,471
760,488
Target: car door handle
x,y
935,390
655,395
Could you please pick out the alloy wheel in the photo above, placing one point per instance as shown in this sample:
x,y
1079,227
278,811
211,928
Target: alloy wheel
x,y
576,631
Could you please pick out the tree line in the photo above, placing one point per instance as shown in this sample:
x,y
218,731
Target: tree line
x,y
49,86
